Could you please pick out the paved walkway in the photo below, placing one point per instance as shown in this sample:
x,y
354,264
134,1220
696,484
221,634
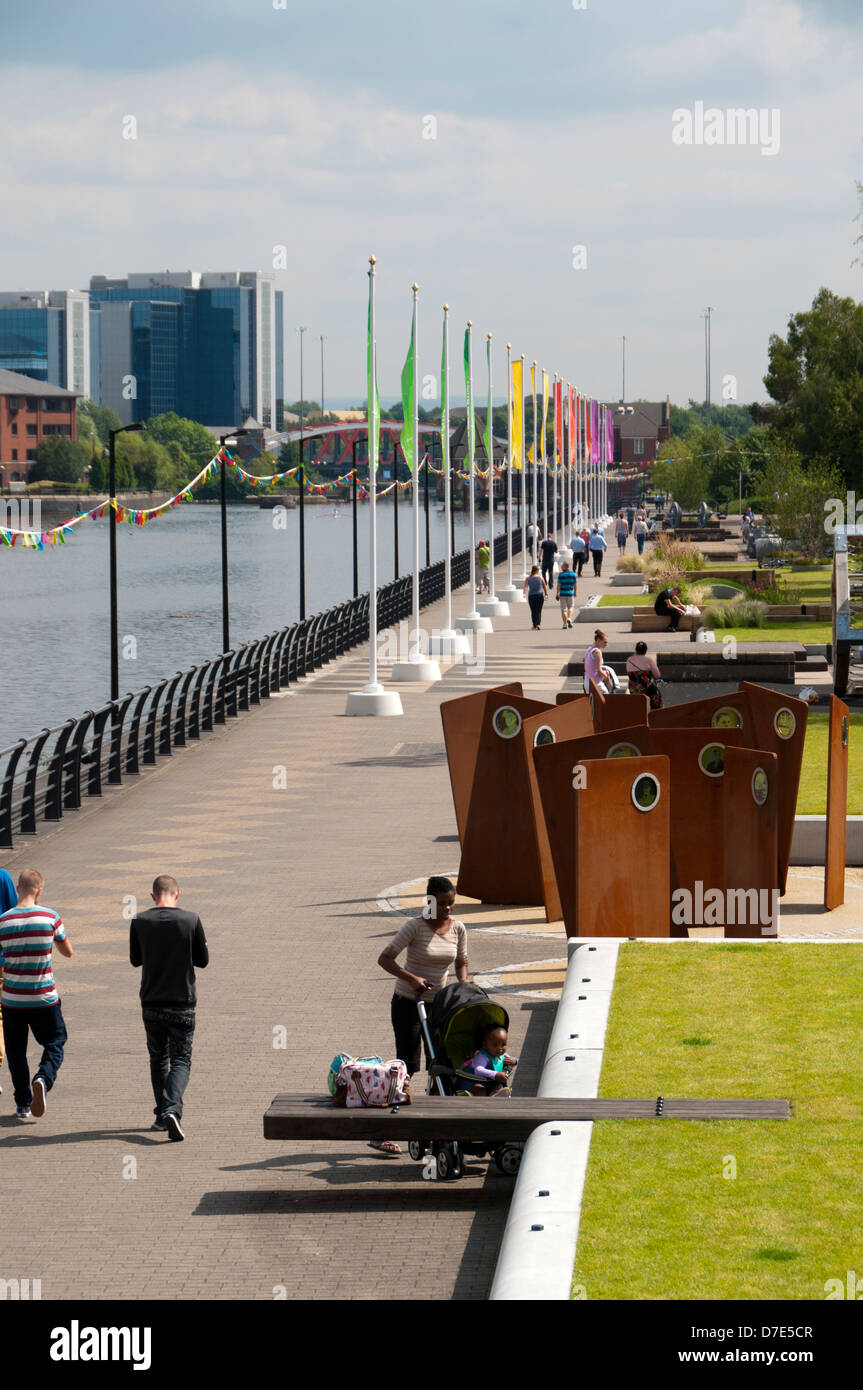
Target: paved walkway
x,y
287,880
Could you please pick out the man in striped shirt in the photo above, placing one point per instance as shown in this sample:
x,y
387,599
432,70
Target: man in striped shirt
x,y
29,998
566,593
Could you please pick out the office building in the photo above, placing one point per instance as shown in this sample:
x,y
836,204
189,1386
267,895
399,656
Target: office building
x,y
45,334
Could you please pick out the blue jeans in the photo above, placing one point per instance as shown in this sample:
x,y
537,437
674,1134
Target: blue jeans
x,y
640,543
46,1024
169,1043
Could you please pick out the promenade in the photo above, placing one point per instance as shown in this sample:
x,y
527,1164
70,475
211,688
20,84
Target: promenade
x,y
290,831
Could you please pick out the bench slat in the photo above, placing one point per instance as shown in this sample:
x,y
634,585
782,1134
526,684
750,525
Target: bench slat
x,y
478,1119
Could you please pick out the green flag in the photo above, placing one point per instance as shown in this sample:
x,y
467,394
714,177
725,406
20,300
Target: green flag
x,y
468,388
409,395
374,400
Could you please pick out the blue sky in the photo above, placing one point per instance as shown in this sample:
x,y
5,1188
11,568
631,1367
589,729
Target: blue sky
x,y
304,127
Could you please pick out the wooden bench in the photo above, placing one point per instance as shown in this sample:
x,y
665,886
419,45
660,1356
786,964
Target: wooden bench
x,y
646,620
480,1119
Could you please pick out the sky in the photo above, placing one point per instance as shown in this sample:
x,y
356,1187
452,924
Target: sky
x,y
516,160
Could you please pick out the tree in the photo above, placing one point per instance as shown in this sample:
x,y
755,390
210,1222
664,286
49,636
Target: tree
x,y
59,460
94,421
150,461
797,498
197,446
815,377
681,471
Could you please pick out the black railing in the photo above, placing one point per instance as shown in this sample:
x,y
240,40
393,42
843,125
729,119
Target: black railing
x,y
46,775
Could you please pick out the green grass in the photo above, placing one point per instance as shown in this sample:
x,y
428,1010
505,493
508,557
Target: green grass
x,y
779,632
812,797
633,599
660,1218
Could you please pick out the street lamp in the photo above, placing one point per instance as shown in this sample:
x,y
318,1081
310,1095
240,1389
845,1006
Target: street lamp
x,y
707,312
112,554
226,636
323,410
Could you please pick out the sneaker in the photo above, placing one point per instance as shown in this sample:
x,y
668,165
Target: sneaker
x,y
37,1104
158,1124
23,1113
172,1125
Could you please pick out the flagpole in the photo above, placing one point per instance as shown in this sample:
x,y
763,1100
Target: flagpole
x,y
509,593
448,642
413,665
554,526
474,621
373,699
493,607
519,405
535,467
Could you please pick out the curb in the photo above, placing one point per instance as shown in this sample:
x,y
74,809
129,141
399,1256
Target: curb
x,y
537,1254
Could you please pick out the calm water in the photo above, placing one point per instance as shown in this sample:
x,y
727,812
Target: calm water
x,y
55,602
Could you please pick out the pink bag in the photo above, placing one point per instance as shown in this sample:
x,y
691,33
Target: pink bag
x,y
370,1083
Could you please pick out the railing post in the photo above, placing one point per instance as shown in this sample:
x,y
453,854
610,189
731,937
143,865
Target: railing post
x,y
54,789
115,757
167,712
94,760
28,802
132,756
6,794
72,764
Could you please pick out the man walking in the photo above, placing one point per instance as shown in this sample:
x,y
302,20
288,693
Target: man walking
x,y
29,999
548,550
8,898
168,943
597,546
578,546
566,593
483,561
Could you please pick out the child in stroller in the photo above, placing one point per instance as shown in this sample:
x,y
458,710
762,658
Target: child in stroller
x,y
491,1065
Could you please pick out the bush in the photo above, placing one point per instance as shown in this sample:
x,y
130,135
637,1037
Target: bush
x,y
668,554
738,612
630,564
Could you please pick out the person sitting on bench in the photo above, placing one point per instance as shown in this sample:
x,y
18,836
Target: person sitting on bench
x,y
668,605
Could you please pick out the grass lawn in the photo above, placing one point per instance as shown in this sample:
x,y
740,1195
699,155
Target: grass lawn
x,y
632,599
779,632
758,1209
812,798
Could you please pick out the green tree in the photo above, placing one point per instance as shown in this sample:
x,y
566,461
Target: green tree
x,y
151,464
96,420
680,470
197,446
797,496
815,378
59,460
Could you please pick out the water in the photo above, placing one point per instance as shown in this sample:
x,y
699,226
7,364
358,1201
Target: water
x,y
55,602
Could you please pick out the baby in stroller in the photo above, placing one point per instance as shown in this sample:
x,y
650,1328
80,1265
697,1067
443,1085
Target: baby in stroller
x,y
491,1065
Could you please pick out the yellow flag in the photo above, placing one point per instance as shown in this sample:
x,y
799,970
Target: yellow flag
x,y
517,415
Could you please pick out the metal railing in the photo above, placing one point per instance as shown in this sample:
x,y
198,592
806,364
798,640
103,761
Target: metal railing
x,y
49,774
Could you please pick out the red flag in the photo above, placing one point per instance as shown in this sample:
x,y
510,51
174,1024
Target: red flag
x,y
558,421
571,426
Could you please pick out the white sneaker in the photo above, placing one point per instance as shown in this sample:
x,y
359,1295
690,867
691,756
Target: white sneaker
x,y
22,1113
37,1105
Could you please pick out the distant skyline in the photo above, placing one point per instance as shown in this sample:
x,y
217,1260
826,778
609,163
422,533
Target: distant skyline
x,y
178,136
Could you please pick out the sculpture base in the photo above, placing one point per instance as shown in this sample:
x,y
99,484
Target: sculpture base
x,y
448,643
493,608
473,622
373,700
416,668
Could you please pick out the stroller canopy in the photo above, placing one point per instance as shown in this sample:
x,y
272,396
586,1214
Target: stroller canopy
x,y
456,1015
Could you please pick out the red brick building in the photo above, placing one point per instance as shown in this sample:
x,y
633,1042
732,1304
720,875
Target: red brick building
x,y
639,429
30,411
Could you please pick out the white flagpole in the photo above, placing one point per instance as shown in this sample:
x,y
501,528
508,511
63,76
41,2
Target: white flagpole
x,y
373,699
414,665
473,621
544,459
555,528
448,642
489,425
509,593
519,405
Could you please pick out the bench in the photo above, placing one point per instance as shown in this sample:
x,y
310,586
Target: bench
x,y
481,1119
646,620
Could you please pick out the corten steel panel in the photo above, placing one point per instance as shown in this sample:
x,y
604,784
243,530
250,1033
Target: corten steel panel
x,y
751,836
567,722
568,697
461,721
500,860
697,807
837,803
619,712
611,859
699,713
765,705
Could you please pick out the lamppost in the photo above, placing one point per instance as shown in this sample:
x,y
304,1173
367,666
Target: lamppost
x,y
301,487
323,409
707,312
223,495
112,554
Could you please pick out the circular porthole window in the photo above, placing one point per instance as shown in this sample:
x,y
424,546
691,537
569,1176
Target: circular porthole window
x,y
760,786
623,750
785,722
845,731
645,792
727,718
506,721
543,735
711,759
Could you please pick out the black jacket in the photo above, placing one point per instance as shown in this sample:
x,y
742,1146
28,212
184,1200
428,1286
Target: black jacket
x,y
168,943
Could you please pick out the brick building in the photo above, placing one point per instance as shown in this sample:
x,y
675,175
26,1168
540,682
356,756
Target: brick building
x,y
639,429
30,411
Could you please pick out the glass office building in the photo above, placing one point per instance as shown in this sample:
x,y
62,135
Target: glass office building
x,y
45,334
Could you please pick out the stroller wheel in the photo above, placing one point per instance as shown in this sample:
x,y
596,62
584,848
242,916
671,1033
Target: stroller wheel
x,y
508,1159
416,1149
448,1163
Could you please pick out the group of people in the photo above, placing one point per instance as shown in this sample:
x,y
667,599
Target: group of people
x,y
633,523
166,942
642,671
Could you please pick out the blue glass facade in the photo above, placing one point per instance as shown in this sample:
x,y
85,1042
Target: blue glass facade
x,y
32,342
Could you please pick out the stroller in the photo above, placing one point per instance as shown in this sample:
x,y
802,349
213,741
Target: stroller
x,y
450,1031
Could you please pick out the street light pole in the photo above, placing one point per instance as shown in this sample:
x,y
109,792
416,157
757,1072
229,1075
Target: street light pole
x,y
112,555
323,410
223,497
707,312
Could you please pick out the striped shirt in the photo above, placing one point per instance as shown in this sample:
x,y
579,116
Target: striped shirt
x,y
429,953
566,582
27,936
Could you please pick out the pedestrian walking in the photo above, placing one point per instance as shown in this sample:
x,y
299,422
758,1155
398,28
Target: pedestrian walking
x,y
578,546
566,593
433,942
168,943
536,592
622,533
640,532
548,550
30,1002
630,517
483,561
8,898
597,547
